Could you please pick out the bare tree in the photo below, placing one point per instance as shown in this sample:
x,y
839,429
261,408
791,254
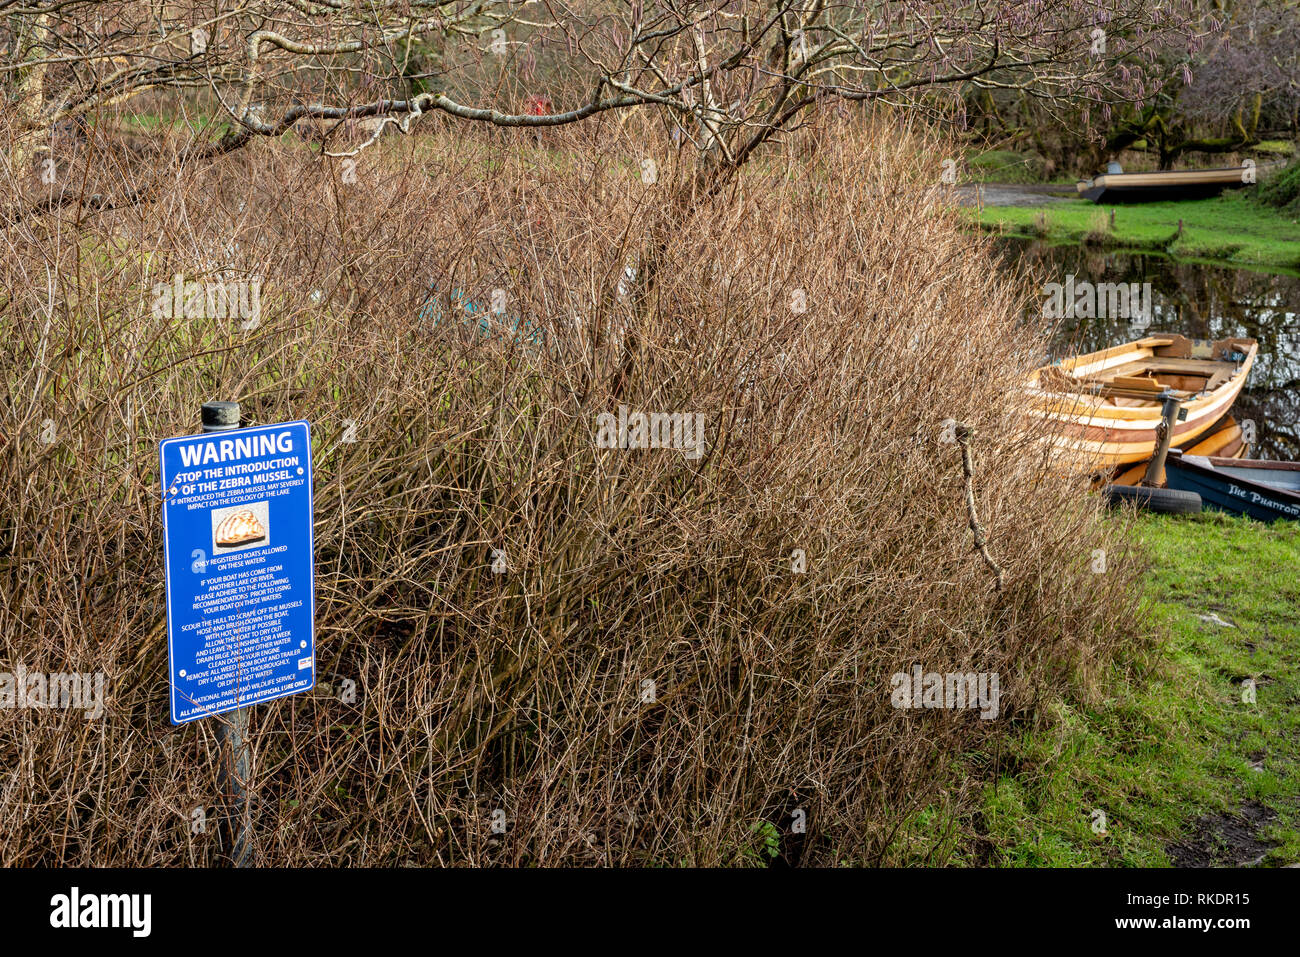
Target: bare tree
x,y
1251,73
726,75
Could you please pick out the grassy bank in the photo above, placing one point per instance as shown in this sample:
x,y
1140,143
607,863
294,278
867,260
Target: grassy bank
x,y
1182,768
1010,166
1228,229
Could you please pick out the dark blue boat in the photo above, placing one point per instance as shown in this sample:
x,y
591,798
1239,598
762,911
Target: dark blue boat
x,y
1258,488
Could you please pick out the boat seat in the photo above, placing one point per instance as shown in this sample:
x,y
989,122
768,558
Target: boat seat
x,y
1141,383
1216,380
1158,364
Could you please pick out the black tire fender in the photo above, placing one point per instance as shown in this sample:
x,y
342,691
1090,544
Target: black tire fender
x,y
1171,501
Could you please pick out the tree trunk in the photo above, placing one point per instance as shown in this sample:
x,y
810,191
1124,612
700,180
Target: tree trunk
x,y
31,37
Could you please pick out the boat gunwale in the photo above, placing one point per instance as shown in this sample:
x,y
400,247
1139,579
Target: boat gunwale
x,y
1157,177
1145,345
1082,413
1219,460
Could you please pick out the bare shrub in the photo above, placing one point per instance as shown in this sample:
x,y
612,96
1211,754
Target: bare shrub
x,y
653,675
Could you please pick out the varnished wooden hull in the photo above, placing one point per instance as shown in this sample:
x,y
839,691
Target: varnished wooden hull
x,y
1102,409
1223,440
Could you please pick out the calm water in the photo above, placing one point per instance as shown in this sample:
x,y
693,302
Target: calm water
x,y
1205,302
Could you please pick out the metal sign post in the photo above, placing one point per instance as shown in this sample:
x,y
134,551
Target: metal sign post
x,y
232,727
238,556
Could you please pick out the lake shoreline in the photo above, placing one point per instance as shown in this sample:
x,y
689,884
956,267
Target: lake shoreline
x,y
1230,230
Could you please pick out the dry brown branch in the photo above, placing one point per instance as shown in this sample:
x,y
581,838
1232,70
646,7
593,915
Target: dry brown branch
x,y
965,434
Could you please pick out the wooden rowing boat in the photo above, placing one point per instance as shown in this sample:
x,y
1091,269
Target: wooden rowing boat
x,y
1168,185
1261,489
1102,409
1224,439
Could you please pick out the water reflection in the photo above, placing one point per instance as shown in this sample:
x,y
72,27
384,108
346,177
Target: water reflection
x,y
1207,302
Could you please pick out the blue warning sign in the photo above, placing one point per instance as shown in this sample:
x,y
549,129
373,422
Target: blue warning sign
x,y
237,532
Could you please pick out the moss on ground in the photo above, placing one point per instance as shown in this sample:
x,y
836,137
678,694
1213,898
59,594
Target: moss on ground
x,y
1174,740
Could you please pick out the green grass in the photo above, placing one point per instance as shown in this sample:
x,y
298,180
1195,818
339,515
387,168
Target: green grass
x,y
154,123
1003,166
1274,147
1231,229
1172,740
1282,191
1009,166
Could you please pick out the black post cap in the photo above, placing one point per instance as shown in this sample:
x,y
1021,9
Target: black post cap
x,y
221,415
